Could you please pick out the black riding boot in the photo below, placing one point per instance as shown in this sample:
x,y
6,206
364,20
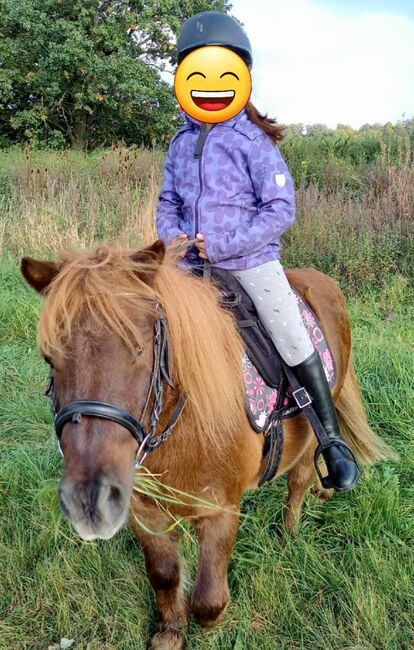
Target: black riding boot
x,y
343,471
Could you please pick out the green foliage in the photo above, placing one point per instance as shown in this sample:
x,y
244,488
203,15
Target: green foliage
x,y
344,157
88,73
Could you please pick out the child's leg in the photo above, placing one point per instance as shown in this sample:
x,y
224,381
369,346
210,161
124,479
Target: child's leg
x,y
268,287
276,305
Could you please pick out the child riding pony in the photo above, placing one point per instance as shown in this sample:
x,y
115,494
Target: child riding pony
x,y
228,186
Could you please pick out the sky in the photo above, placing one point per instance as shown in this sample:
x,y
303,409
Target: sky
x,y
331,61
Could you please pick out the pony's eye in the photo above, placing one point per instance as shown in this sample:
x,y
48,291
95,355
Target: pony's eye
x,y
139,352
48,361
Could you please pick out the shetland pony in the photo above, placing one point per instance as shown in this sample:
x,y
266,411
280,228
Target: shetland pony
x,y
96,331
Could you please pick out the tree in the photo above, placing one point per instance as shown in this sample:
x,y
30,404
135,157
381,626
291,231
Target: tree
x,y
87,72
295,130
318,130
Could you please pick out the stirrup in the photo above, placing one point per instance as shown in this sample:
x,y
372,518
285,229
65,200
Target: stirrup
x,y
335,442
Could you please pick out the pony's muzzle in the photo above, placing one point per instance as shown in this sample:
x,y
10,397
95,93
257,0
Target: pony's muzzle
x,y
96,507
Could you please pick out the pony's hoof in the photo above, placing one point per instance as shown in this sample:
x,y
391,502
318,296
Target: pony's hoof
x,y
322,494
167,640
211,622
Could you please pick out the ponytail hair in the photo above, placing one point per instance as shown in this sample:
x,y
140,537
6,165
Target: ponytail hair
x,y
267,124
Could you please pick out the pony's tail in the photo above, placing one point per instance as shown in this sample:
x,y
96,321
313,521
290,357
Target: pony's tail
x,y
368,447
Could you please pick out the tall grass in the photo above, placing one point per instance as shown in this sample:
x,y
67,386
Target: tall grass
x,y
355,221
359,241
347,158
53,200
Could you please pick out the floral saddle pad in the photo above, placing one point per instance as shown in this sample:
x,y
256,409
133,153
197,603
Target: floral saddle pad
x,y
261,399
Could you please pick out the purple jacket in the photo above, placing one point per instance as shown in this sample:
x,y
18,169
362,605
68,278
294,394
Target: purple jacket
x,y
239,194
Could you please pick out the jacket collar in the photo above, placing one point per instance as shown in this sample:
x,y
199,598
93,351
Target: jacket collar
x,y
236,120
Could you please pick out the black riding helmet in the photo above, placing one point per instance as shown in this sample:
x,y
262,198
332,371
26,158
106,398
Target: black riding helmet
x,y
214,28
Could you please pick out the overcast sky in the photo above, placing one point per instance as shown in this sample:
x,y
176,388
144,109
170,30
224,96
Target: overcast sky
x,y
331,61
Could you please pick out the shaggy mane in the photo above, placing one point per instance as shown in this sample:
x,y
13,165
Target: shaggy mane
x,y
111,285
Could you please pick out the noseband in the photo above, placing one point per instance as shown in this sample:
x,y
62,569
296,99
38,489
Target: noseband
x,y
148,440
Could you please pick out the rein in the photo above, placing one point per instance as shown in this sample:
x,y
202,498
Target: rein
x,y
148,440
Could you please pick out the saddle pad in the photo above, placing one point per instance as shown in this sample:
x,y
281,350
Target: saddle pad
x,y
261,399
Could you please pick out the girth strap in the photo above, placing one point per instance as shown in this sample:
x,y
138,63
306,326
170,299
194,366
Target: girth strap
x,y
274,439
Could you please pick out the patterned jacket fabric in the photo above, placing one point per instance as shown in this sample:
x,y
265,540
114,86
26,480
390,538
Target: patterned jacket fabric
x,y
239,193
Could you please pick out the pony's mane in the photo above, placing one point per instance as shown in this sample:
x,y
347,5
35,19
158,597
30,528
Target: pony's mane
x,y
111,285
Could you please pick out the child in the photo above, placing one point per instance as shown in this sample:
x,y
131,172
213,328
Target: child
x,y
227,185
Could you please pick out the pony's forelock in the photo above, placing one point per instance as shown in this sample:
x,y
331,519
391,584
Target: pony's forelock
x,y
104,284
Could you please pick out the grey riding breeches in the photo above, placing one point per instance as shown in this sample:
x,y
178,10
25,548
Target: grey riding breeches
x,y
269,289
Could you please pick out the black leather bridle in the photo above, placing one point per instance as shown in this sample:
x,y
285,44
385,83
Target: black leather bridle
x,y
147,438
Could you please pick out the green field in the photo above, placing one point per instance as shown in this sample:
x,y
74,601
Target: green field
x,y
347,581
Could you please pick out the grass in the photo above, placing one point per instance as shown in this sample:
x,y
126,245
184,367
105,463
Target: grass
x,y
346,582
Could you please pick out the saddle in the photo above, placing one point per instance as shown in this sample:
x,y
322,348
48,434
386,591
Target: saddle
x,y
269,396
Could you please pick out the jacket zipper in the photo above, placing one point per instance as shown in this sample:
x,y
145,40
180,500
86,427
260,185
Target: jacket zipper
x,y
200,178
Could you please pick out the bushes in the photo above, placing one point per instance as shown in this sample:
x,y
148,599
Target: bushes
x,y
347,158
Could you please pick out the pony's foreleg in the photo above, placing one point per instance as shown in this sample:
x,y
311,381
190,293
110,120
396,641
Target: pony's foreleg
x,y
300,477
211,594
164,570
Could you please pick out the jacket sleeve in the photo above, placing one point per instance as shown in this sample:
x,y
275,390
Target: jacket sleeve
x,y
169,209
273,186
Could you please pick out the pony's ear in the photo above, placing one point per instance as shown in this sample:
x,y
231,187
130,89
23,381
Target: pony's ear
x,y
151,258
154,253
39,273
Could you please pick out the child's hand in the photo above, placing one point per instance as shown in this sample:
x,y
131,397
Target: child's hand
x,y
201,247
180,244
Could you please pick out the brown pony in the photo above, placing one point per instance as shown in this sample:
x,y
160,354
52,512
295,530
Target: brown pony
x,y
96,331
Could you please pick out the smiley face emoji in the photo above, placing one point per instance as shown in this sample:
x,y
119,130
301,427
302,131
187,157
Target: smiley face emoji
x,y
212,84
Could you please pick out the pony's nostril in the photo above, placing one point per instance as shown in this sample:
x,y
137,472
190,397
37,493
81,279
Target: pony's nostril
x,y
115,494
63,505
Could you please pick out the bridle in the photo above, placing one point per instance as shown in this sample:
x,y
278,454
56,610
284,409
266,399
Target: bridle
x,y
147,438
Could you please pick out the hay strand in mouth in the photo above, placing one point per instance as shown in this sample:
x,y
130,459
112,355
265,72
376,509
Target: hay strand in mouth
x,y
149,485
